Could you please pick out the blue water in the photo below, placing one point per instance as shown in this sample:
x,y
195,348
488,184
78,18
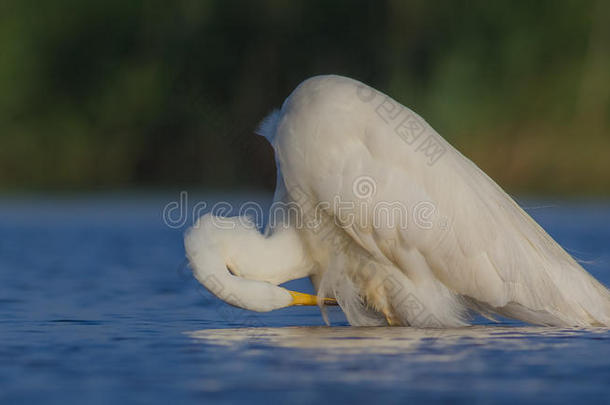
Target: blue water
x,y
97,306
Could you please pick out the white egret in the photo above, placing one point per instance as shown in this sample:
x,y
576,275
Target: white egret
x,y
390,220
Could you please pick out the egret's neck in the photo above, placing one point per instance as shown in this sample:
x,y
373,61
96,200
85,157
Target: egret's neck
x,y
257,263
277,258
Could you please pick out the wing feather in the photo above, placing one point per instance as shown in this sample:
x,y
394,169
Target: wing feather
x,y
482,245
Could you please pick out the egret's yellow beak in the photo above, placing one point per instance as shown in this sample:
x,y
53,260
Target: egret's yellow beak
x,y
308,299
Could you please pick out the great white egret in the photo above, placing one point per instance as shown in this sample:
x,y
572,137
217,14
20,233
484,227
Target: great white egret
x,y
390,220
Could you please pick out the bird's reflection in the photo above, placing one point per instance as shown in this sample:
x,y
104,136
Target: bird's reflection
x,y
393,340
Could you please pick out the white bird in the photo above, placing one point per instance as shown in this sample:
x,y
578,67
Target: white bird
x,y
390,220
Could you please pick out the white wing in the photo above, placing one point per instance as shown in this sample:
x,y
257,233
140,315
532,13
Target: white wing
x,y
464,232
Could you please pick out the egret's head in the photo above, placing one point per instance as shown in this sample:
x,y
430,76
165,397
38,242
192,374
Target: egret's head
x,y
217,249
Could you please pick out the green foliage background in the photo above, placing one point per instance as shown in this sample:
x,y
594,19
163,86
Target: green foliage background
x,y
118,94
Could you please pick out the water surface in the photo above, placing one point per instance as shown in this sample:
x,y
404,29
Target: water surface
x,y
97,306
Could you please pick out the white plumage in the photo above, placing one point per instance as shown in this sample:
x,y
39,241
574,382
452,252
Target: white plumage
x,y
388,218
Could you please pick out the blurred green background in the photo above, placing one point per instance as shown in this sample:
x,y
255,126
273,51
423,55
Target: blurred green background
x,y
133,94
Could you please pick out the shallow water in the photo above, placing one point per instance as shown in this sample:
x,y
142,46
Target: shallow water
x,y
97,305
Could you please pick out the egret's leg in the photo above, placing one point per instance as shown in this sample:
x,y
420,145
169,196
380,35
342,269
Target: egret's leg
x,y
391,319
